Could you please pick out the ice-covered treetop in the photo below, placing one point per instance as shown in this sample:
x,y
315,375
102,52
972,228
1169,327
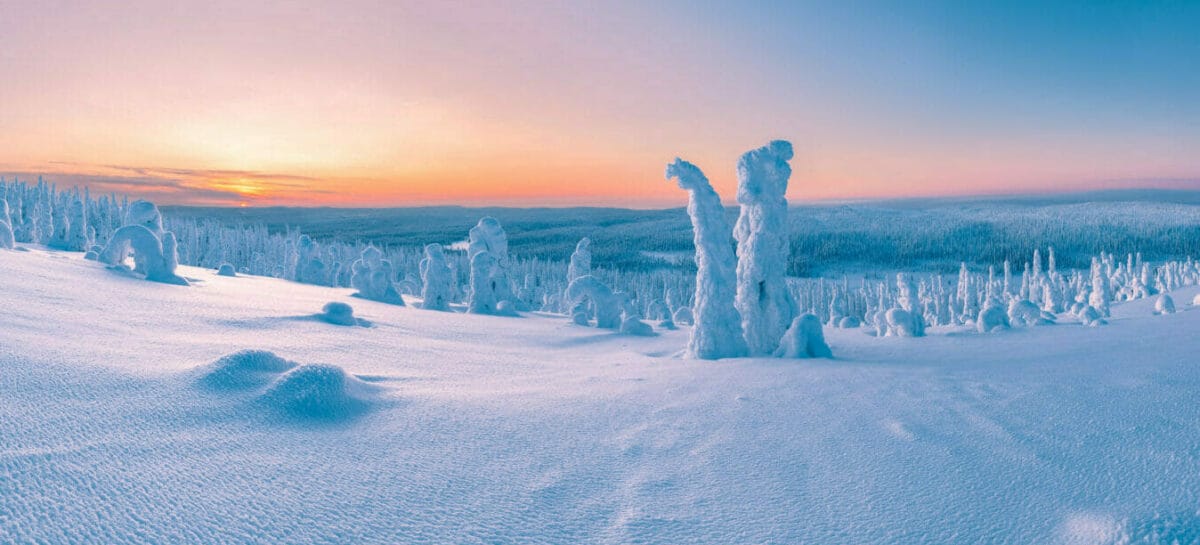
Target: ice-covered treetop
x,y
763,173
690,177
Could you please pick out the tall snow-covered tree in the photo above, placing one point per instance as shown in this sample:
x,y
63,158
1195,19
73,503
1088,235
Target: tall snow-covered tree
x,y
717,330
766,306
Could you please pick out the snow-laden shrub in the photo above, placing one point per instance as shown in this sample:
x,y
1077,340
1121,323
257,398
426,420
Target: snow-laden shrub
x,y
804,339
1025,313
1196,300
992,318
631,325
603,302
371,275
338,313
1089,316
717,332
1164,305
898,322
667,323
765,304
152,257
435,279
849,322
581,314
226,269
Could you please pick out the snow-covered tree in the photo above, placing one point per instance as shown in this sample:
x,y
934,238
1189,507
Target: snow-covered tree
x,y
606,305
717,332
766,306
1164,305
1101,294
435,279
7,239
488,236
581,260
152,256
372,276
483,298
804,339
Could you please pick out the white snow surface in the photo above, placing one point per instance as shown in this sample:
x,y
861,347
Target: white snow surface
x,y
481,429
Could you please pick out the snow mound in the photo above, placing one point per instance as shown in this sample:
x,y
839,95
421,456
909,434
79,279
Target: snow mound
x,y
317,391
243,370
338,313
226,269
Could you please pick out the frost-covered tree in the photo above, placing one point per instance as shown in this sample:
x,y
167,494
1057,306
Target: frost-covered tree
x,y
146,214
991,318
581,260
372,276
1101,294
804,339
77,235
152,256
7,239
488,236
761,231
717,331
435,279
483,285
906,297
606,305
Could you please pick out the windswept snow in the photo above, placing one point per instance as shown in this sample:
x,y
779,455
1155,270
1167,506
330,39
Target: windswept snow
x,y
446,427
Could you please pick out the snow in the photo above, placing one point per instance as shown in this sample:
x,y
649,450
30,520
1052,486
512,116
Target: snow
x,y
445,427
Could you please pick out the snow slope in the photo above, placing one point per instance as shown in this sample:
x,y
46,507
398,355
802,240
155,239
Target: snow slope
x,y
480,429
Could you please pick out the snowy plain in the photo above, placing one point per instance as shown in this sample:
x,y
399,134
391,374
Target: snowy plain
x,y
481,429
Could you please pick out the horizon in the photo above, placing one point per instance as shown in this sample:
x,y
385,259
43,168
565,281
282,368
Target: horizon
x,y
572,104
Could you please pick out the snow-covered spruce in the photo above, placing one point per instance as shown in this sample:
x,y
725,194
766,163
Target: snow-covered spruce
x,y
371,275
435,279
7,239
1024,313
146,214
482,298
766,306
906,297
488,236
717,330
152,257
581,260
1089,316
603,302
226,269
310,269
804,339
76,238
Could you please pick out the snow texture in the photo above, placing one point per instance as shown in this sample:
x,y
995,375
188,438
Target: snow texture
x,y
717,331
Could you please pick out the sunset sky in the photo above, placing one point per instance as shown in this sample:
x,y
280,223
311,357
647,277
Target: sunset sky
x,y
357,103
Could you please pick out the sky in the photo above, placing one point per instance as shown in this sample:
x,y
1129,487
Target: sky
x,y
392,103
